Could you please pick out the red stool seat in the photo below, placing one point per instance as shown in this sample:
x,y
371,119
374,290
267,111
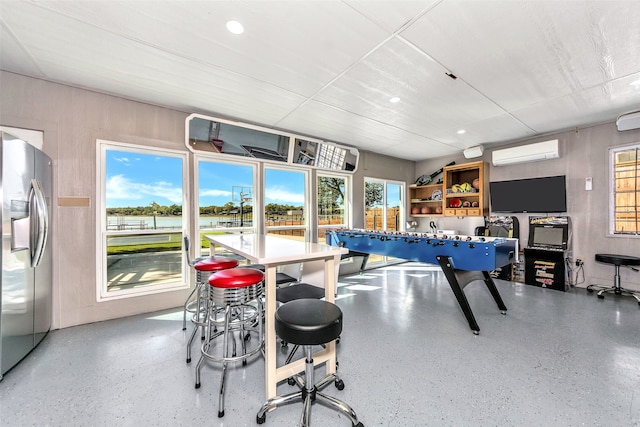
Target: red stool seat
x,y
216,263
236,278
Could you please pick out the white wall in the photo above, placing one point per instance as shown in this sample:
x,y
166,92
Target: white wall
x,y
72,119
583,153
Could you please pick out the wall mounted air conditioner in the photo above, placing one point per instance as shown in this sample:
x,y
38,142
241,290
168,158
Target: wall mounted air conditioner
x,y
526,153
473,152
628,121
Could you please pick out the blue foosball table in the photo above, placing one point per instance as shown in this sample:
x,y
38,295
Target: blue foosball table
x,y
461,258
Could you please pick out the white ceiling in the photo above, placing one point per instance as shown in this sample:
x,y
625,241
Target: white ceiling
x,y
327,69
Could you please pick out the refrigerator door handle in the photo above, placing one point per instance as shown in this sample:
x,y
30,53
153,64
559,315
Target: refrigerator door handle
x,y
39,222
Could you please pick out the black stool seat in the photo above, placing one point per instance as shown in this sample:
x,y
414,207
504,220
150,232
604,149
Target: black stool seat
x,y
298,291
281,278
308,321
617,289
618,259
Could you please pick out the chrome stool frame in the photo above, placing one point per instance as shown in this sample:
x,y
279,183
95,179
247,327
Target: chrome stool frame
x,y
238,315
191,304
309,322
201,306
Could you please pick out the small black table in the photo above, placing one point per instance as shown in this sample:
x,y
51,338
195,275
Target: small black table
x,y
618,261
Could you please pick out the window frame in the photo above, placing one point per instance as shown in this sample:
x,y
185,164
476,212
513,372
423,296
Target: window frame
x,y
348,183
611,229
102,233
386,260
402,205
256,203
308,209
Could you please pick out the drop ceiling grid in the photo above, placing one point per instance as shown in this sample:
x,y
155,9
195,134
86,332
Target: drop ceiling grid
x,y
342,126
523,68
525,52
588,107
430,102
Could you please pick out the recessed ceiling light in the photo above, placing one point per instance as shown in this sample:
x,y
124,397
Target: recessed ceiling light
x,y
235,27
394,99
461,131
636,84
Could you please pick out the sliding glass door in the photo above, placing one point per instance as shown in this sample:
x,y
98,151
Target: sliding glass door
x,y
384,209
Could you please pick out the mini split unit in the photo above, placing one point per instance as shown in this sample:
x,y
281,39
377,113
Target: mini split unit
x,y
526,153
628,121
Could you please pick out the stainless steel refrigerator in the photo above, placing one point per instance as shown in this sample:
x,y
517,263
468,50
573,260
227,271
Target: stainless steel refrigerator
x,y
25,283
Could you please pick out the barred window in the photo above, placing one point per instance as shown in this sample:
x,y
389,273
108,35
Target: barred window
x,y
625,190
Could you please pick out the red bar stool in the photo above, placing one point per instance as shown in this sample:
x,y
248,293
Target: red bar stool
x,y
232,293
204,269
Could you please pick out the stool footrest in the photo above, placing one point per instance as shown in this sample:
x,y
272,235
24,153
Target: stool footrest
x,y
309,394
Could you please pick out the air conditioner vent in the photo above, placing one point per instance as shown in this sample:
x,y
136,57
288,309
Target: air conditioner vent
x,y
526,153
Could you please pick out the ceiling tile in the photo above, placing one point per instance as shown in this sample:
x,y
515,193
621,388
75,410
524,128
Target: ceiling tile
x,y
591,106
391,15
328,68
104,61
430,101
13,57
521,53
490,130
351,129
298,46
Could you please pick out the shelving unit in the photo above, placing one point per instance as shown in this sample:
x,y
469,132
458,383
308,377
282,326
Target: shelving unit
x,y
421,197
467,200
422,202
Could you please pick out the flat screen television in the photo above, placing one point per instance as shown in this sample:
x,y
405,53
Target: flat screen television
x,y
544,195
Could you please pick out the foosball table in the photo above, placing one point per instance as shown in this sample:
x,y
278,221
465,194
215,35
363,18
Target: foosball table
x,y
463,259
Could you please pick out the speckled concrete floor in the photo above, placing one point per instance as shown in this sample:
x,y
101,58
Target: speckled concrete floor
x,y
407,357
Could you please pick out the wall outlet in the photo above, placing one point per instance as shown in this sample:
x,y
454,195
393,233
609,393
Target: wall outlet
x,y
579,261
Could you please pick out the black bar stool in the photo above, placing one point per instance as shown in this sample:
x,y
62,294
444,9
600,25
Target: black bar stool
x,y
309,322
293,292
618,261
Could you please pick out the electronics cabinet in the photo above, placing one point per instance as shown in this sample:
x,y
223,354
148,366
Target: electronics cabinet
x,y
545,268
548,249
465,189
426,200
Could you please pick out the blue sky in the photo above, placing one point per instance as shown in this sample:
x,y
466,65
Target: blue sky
x,y
135,179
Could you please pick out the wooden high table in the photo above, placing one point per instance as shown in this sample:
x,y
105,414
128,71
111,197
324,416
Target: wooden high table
x,y
273,251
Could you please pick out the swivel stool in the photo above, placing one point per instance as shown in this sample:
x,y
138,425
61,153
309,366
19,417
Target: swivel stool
x,y
202,304
617,261
293,292
232,292
191,303
309,322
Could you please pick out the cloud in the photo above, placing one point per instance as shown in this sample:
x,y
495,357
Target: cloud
x,y
124,160
215,193
280,194
121,188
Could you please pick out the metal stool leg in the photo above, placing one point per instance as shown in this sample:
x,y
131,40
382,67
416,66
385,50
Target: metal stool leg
x,y
616,289
188,302
309,393
238,317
